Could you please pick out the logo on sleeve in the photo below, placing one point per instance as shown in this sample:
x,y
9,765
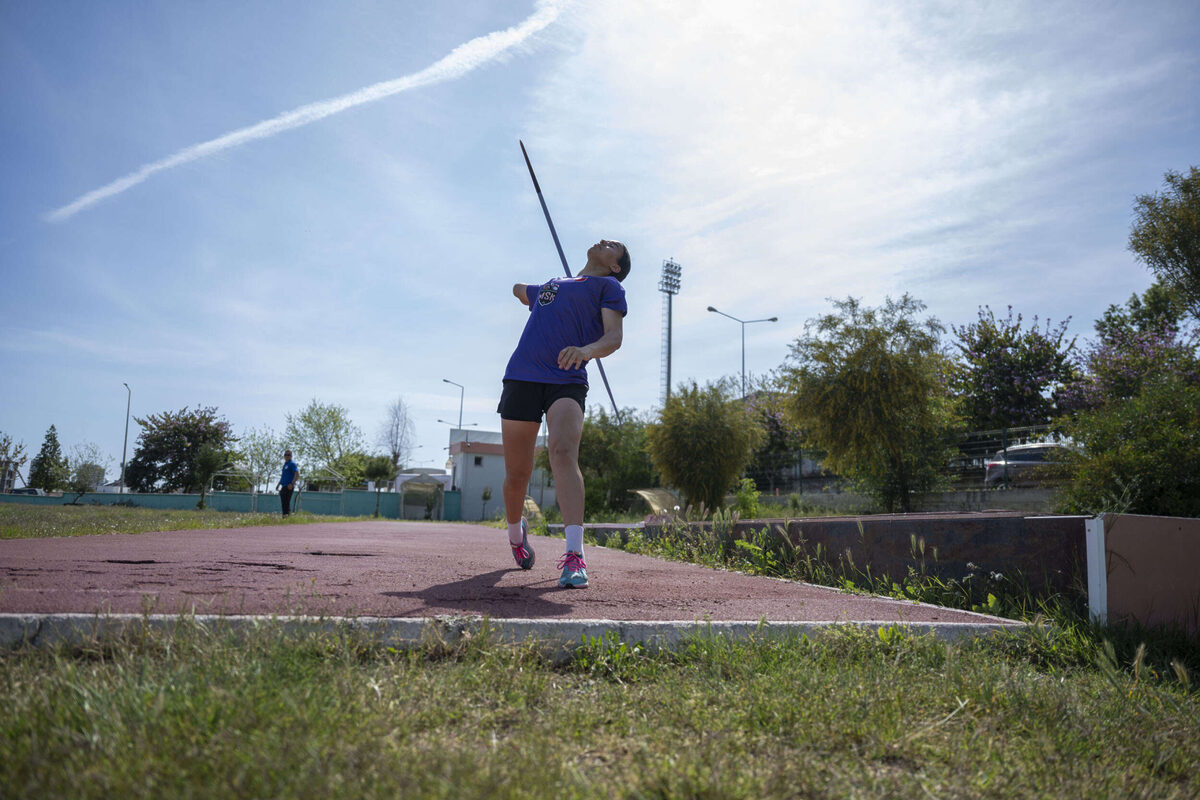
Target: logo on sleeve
x,y
547,294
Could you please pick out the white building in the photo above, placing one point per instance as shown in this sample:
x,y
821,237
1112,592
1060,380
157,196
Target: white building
x,y
477,463
8,476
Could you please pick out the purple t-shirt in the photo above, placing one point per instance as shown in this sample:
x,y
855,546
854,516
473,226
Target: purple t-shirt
x,y
562,312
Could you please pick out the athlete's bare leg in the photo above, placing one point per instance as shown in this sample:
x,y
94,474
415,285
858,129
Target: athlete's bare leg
x,y
519,439
565,423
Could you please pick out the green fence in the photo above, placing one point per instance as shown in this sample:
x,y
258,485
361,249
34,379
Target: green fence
x,y
349,503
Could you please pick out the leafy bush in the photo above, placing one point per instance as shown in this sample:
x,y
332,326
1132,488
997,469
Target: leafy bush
x,y
745,501
1140,455
702,441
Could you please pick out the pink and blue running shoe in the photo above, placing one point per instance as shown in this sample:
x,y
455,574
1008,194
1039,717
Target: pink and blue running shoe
x,y
574,571
523,553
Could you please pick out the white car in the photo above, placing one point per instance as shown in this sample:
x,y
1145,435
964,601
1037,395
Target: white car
x,y
1020,463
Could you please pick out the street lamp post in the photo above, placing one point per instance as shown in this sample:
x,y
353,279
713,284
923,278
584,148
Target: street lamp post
x,y
454,476
461,428
743,323
462,390
125,443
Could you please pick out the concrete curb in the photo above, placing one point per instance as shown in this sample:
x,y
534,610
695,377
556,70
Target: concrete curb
x,y
47,630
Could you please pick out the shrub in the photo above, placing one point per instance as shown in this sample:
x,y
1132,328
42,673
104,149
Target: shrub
x,y
702,441
746,500
1139,455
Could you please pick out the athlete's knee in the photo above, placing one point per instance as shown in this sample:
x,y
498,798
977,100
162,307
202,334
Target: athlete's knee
x,y
562,451
517,477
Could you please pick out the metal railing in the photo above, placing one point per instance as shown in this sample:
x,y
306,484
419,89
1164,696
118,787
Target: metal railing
x,y
801,470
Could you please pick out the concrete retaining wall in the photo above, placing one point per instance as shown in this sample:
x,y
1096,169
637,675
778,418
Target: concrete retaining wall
x,y
1048,552
1145,569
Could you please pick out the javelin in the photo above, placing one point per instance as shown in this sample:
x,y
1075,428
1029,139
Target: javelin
x,y
566,268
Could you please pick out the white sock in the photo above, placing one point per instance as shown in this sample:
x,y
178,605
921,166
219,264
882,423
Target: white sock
x,y
575,539
514,533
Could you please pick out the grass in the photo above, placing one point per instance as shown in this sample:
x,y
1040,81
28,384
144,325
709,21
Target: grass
x,y
1061,708
21,521
1169,653
199,711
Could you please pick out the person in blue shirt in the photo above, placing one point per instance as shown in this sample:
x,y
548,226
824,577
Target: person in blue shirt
x,y
287,482
571,321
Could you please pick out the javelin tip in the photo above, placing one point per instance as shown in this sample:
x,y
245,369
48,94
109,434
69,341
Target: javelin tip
x,y
529,164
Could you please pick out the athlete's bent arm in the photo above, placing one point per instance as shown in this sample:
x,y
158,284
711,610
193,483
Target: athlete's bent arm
x,y
610,342
519,293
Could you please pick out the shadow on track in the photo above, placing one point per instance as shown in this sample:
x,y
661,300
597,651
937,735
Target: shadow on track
x,y
481,594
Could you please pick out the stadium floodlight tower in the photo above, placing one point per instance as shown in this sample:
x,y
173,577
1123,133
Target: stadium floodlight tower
x,y
668,284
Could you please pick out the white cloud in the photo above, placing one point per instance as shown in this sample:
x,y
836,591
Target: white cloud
x,y
840,147
463,59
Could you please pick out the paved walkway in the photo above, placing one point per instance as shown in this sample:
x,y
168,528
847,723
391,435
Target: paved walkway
x,y
401,570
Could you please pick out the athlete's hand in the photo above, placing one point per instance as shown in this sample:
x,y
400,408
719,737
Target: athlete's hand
x,y
573,357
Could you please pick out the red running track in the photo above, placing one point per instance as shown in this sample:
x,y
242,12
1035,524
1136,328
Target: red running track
x,y
400,569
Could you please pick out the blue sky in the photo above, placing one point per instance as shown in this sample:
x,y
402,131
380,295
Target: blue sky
x,y
782,152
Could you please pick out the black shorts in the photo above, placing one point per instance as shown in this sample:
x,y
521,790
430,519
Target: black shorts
x,y
524,401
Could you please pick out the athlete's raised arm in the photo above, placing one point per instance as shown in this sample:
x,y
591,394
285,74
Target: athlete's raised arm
x,y
575,357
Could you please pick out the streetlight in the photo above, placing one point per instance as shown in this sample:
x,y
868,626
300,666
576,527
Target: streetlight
x,y
461,428
462,390
412,451
454,470
125,444
744,323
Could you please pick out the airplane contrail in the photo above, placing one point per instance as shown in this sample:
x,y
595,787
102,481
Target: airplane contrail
x,y
460,61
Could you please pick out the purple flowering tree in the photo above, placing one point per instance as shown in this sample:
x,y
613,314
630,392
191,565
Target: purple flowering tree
x,y
1118,367
1008,375
1133,413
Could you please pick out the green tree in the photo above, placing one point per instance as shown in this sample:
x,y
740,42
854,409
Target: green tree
x,y
12,456
869,388
165,456
260,455
88,466
1166,235
1138,455
780,448
321,435
613,460
1134,410
352,467
208,462
1007,376
49,469
1158,309
702,441
379,469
